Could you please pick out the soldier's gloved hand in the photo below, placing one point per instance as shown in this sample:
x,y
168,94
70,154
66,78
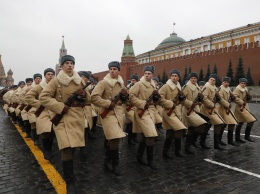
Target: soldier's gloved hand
x,y
233,98
248,97
65,109
111,106
156,95
218,98
123,95
200,97
182,97
81,95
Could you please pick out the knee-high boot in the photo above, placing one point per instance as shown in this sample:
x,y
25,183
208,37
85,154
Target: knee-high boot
x,y
178,152
220,136
115,162
237,133
107,160
217,129
140,153
230,138
247,134
166,148
27,129
47,145
203,136
130,134
35,137
68,173
150,158
188,141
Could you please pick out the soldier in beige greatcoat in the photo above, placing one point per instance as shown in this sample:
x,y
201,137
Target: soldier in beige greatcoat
x,y
145,124
242,111
171,98
208,108
113,123
192,117
43,123
225,110
31,112
70,130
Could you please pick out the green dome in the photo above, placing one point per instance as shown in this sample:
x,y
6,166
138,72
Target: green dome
x,y
172,40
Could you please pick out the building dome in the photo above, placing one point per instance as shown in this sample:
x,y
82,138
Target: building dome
x,y
10,72
172,40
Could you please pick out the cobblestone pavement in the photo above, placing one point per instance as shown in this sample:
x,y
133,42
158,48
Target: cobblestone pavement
x,y
20,172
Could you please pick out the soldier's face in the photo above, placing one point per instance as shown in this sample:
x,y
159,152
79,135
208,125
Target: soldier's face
x,y
113,71
242,84
193,80
29,83
49,76
225,84
133,81
175,78
37,80
155,82
148,75
212,81
22,85
68,67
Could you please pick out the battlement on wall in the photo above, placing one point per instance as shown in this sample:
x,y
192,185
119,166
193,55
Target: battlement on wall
x,y
231,49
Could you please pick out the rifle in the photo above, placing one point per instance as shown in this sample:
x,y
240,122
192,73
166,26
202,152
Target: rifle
x,y
194,104
128,108
176,101
114,100
22,107
246,99
57,118
39,111
231,98
15,105
28,108
148,101
215,100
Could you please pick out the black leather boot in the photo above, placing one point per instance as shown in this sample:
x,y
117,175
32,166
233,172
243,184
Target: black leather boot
x,y
140,153
27,129
135,138
230,139
150,158
220,137
237,134
216,142
47,145
247,134
115,162
188,141
13,116
203,138
94,123
84,150
35,137
166,148
178,151
107,161
68,173
194,139
130,134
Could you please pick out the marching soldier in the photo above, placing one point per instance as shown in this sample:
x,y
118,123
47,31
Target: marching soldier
x,y
201,84
70,129
225,111
242,111
105,96
191,118
7,98
208,108
143,95
31,111
132,137
171,97
43,123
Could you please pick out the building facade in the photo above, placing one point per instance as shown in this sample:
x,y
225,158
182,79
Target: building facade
x,y
5,81
63,51
216,49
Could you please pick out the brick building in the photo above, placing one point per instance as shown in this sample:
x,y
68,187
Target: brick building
x,y
216,49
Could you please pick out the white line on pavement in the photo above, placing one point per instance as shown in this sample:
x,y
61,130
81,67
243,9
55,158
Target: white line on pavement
x,y
256,136
233,168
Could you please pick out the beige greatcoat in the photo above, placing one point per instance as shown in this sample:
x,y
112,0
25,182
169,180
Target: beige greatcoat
x,y
191,92
101,96
70,130
30,113
222,108
209,92
24,113
138,93
6,99
245,115
43,123
16,99
168,92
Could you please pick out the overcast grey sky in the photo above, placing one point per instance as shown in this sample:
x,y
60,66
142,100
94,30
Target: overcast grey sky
x,y
31,30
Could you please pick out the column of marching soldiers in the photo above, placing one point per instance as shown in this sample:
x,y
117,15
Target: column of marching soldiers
x,y
70,104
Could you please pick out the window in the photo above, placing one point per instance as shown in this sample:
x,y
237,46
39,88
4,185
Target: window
x,y
205,47
246,40
220,45
237,42
158,58
186,51
213,47
176,55
229,44
257,38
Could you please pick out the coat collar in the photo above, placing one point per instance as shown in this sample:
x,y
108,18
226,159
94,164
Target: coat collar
x,y
112,81
192,86
146,83
173,85
64,79
242,89
225,89
212,88
43,83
